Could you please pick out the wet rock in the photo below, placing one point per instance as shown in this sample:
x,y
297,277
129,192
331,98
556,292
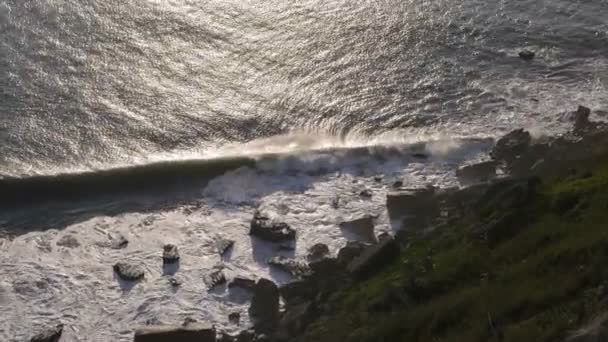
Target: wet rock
x,y
378,179
481,172
188,321
170,254
367,193
215,278
234,317
223,245
264,308
174,282
198,332
317,251
68,241
349,252
224,337
50,335
397,184
420,202
420,155
511,146
267,229
581,118
293,267
118,242
362,228
129,271
374,258
242,283
527,55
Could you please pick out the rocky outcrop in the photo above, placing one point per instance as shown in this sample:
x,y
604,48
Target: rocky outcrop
x,y
295,319
480,172
264,309
50,335
581,118
527,55
317,252
170,254
293,267
511,146
215,277
362,228
263,227
374,258
196,332
129,271
412,202
349,252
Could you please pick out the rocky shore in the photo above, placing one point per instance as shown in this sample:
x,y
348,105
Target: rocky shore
x,y
513,256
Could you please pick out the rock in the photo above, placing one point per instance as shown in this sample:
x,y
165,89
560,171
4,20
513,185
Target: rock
x,y
243,283
511,146
224,337
317,252
170,254
68,241
362,228
198,332
367,193
374,258
129,271
50,335
420,202
327,276
215,278
174,282
481,172
264,228
397,184
581,118
264,309
118,242
223,245
349,252
188,321
508,193
378,179
291,266
420,155
246,336
295,319
234,317
527,55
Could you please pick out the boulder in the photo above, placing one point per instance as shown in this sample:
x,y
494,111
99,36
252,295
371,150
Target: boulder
x,y
397,184
68,241
367,193
480,172
527,55
317,252
420,202
214,278
267,229
581,118
511,146
223,245
50,335
175,282
242,283
234,317
349,252
264,308
129,271
374,258
294,267
196,332
170,254
362,228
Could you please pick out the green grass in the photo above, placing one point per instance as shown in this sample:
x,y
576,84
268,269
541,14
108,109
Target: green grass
x,y
544,275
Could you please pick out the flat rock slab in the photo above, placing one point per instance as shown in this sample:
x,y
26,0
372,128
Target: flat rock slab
x,y
362,228
170,254
196,332
129,271
50,335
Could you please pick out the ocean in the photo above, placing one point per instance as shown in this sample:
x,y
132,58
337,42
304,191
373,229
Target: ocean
x,y
172,121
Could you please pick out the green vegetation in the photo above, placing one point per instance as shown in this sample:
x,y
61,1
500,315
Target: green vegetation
x,y
527,263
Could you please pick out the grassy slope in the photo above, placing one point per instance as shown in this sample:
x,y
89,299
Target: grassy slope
x,y
537,285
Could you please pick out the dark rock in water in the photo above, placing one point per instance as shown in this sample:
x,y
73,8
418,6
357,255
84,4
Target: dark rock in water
x,y
264,228
215,277
170,254
317,251
243,283
264,309
118,242
198,332
420,155
174,282
512,145
481,172
327,276
223,245
374,258
420,202
397,184
362,228
50,335
68,241
294,267
188,321
367,193
378,179
527,55
234,317
129,271
349,252
581,118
